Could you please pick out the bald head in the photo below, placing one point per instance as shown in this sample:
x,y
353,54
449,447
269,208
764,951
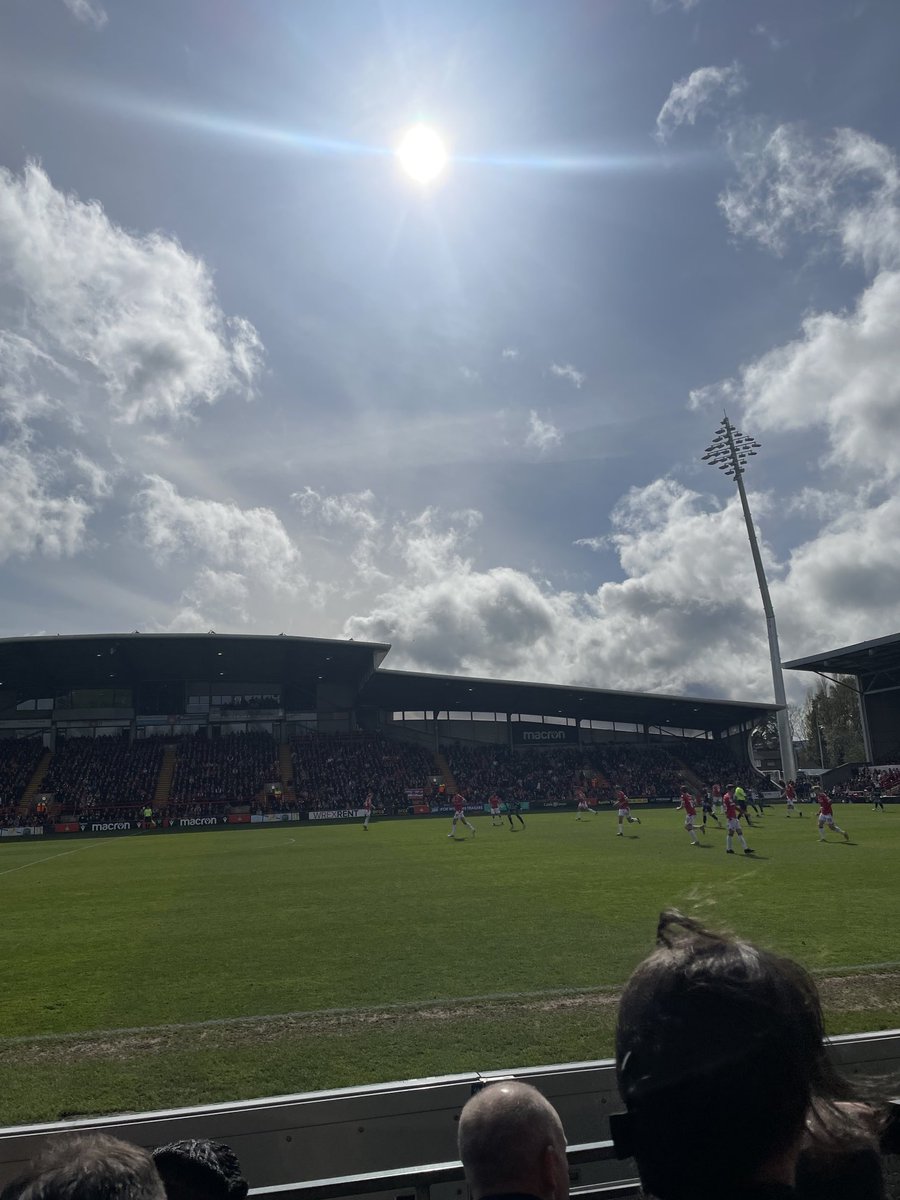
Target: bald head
x,y
512,1140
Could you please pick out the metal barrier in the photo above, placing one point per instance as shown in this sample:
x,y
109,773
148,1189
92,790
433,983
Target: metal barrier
x,y
389,1130
421,1183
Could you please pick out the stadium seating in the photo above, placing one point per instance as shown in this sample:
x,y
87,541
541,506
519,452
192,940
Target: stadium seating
x,y
19,758
89,775
715,764
231,769
537,777
334,771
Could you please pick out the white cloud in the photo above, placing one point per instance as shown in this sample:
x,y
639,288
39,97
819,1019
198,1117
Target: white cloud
x,y
136,315
509,352
470,375
221,594
764,31
689,96
660,6
842,372
845,187
567,371
40,511
351,511
684,617
541,435
88,11
217,535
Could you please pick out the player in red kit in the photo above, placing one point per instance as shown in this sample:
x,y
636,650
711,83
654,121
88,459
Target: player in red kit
x,y
790,799
733,824
367,805
716,790
826,818
690,811
583,806
624,811
496,815
459,814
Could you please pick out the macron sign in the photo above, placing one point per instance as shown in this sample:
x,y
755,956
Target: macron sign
x,y
544,735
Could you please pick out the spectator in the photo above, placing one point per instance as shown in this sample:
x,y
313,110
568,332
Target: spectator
x,y
96,1167
199,1169
710,1024
512,1143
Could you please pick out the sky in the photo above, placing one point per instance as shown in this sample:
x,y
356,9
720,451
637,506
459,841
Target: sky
x,y
253,378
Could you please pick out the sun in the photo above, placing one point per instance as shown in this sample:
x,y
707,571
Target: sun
x,y
422,154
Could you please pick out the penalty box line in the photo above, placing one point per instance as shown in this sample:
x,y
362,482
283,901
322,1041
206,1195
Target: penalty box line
x,y
611,991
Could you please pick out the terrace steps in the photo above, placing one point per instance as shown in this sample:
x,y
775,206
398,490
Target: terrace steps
x,y
164,778
34,783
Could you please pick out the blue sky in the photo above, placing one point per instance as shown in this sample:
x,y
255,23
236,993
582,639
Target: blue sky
x,y
254,378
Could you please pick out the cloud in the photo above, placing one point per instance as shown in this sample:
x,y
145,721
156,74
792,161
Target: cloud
x,y
41,512
683,618
88,11
567,371
221,594
764,31
350,511
842,371
844,189
135,317
470,375
689,96
509,352
660,6
541,435
218,535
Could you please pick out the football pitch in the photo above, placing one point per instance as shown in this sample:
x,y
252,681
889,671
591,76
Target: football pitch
x,y
151,971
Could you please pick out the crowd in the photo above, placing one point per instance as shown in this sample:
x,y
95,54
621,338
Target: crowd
x,y
89,774
707,1024
866,779
541,776
645,771
716,764
335,771
19,758
231,769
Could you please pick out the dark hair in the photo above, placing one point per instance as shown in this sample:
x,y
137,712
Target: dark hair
x,y
710,1027
96,1167
200,1168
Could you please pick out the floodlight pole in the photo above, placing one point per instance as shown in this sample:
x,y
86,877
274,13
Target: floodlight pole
x,y
728,452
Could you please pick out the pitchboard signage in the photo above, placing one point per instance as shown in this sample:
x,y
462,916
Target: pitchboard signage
x,y
544,735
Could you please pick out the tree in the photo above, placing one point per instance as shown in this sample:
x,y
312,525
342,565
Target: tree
x,y
831,722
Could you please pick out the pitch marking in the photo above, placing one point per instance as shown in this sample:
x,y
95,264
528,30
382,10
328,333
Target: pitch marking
x,y
612,990
62,854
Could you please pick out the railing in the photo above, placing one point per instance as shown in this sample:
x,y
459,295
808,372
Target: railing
x,y
416,1183
373,1141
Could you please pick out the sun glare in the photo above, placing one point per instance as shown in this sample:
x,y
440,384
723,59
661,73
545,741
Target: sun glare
x,y
422,154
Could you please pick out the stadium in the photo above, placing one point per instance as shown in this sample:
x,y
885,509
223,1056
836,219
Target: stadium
x,y
191,974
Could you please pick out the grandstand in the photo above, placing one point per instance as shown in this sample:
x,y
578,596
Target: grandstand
x,y
235,731
226,728
876,668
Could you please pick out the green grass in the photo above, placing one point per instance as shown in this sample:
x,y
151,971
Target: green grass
x,y
136,932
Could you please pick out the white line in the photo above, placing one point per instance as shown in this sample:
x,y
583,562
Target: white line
x,y
360,1010
34,862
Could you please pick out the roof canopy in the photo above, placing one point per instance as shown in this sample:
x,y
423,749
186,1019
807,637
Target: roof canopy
x,y
46,666
108,660
414,691
864,658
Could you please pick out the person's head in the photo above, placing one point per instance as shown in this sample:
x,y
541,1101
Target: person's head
x,y
712,1026
198,1169
512,1140
94,1167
